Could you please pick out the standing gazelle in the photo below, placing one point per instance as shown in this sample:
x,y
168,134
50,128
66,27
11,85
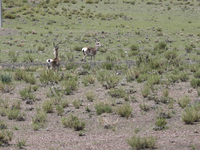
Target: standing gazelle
x,y
54,63
91,51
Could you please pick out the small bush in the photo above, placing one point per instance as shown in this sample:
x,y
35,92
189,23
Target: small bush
x,y
69,86
125,110
89,2
21,143
5,137
49,76
88,79
48,106
145,91
76,104
90,95
77,48
13,113
161,123
27,94
59,110
191,114
184,101
118,93
144,107
39,119
6,78
195,82
73,122
64,103
19,74
102,108
142,143
35,88
3,125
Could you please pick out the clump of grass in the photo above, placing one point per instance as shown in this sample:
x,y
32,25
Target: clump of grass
x,y
102,108
19,74
39,119
184,101
5,137
76,103
12,113
49,76
73,122
21,143
142,143
145,91
27,94
88,79
191,114
90,95
3,125
35,88
144,107
6,78
48,106
195,82
125,110
69,85
59,110
77,48
161,123
134,50
13,56
118,93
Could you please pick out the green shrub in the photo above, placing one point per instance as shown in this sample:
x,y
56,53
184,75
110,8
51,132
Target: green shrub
x,y
119,93
142,143
144,107
125,110
3,125
21,143
77,48
161,123
6,78
88,79
161,46
191,114
195,82
169,55
90,95
19,74
69,86
89,2
35,88
49,76
29,78
64,103
145,91
27,94
13,113
59,109
102,108
5,137
184,101
73,122
76,104
48,106
130,75
112,81
184,77
107,65
39,119
13,56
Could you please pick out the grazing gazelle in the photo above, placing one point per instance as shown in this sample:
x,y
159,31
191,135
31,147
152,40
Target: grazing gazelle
x,y
54,63
91,51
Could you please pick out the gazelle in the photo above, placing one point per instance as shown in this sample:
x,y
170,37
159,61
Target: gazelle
x,y
91,51
54,63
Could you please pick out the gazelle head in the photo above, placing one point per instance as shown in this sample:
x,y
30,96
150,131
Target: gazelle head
x,y
55,47
97,43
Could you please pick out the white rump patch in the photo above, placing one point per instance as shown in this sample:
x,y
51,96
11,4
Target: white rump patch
x,y
49,61
84,49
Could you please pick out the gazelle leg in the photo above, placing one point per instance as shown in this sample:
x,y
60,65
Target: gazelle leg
x,y
84,57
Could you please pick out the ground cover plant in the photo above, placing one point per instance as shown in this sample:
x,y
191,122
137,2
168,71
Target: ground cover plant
x,y
144,80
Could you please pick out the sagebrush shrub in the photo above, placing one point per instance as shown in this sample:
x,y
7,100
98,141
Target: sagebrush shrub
x,y
102,108
142,143
125,110
73,122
